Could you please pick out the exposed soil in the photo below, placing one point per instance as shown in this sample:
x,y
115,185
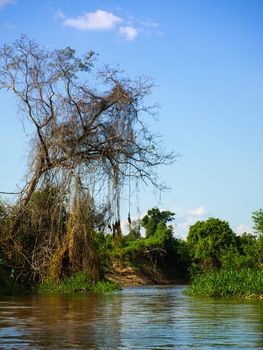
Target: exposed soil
x,y
126,275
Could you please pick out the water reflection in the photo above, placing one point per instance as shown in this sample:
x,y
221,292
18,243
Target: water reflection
x,y
135,318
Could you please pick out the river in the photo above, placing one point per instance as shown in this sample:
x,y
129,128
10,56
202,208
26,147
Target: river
x,y
133,318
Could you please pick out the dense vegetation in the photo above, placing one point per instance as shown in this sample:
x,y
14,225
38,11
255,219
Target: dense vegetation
x,y
90,142
243,283
224,264
218,262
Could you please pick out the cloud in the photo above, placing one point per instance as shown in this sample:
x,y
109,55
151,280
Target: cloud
x,y
128,32
127,27
6,2
200,211
194,212
98,20
59,14
240,229
185,217
148,23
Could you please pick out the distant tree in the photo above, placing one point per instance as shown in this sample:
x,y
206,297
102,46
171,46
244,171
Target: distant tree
x,y
209,240
134,231
155,217
249,252
257,217
245,240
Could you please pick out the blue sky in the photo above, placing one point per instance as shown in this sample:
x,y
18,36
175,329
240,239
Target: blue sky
x,y
206,58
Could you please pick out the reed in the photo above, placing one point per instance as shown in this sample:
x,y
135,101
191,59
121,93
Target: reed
x,y
245,283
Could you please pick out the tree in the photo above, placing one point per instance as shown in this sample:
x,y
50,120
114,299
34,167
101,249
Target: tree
x,y
249,252
257,217
154,217
134,230
89,130
209,240
41,231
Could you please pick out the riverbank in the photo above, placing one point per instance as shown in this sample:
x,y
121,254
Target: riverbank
x,y
117,275
128,275
143,271
76,284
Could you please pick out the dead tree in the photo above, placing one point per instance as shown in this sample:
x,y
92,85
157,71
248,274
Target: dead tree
x,y
89,124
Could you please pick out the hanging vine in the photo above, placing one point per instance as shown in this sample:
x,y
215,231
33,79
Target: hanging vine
x,y
98,138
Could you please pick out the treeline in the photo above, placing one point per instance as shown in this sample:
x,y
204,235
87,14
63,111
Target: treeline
x,y
210,245
46,241
213,245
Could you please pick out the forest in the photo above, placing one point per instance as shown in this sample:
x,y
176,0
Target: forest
x,y
89,142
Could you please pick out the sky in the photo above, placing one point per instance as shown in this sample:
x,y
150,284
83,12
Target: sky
x,y
206,60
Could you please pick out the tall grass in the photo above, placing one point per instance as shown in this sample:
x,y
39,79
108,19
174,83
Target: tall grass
x,y
75,284
244,283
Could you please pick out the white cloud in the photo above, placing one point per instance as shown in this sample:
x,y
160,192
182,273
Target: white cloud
x,y
6,2
128,32
200,211
149,23
195,212
60,14
185,217
98,20
127,27
243,228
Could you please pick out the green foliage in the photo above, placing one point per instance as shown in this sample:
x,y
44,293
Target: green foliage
x,y
257,217
209,240
153,218
134,230
244,283
248,253
103,287
160,249
75,284
231,262
161,239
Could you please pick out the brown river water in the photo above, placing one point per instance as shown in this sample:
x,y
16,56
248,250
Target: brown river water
x,y
133,318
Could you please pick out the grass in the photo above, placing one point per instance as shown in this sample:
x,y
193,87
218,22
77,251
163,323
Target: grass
x,y
244,283
75,284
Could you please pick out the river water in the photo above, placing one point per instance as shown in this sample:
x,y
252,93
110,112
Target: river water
x,y
133,318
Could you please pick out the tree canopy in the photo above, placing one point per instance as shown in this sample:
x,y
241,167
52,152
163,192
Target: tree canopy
x,y
257,217
207,240
88,122
154,218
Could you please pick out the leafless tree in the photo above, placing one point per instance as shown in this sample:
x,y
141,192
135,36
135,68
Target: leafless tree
x,y
90,126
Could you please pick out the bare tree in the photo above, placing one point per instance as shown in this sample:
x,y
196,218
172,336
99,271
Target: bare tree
x,y
89,125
